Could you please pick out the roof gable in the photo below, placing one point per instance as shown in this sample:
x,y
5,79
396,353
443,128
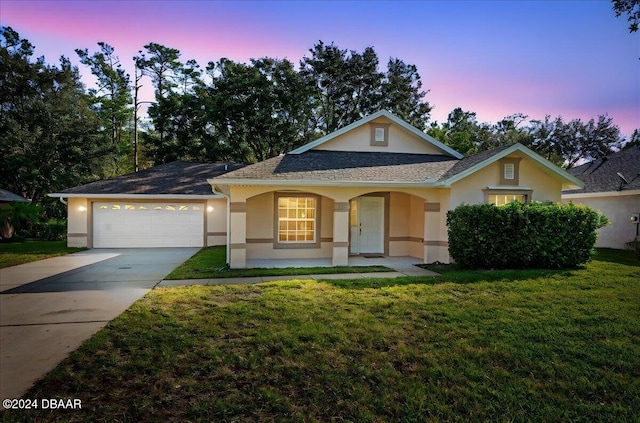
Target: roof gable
x,y
404,138
471,164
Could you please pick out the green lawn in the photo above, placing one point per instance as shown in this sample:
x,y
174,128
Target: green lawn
x,y
209,263
14,253
465,346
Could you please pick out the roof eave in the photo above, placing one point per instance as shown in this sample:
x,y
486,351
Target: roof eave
x,y
136,196
293,183
623,193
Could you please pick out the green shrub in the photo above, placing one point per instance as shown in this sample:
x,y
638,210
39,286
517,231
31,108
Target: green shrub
x,y
518,235
53,230
634,246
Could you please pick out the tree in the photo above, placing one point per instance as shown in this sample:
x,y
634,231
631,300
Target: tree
x,y
112,99
458,132
402,93
634,141
590,141
543,138
48,130
258,110
631,8
16,216
163,66
344,86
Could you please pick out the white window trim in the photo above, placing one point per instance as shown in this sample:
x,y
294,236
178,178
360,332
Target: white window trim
x,y
316,230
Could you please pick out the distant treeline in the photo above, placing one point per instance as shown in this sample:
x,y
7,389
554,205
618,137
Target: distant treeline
x,y
56,133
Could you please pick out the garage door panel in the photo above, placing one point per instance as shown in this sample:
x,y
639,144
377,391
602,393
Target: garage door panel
x,y
131,225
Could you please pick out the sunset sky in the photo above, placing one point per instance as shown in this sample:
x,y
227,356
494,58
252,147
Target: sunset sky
x,y
495,58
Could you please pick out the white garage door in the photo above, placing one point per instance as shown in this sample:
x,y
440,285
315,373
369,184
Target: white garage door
x,y
138,225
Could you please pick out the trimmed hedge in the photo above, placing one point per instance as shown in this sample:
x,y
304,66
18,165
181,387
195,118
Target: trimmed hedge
x,y
53,230
535,235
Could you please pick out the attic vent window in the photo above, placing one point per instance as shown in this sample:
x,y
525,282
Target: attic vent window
x,y
379,134
509,171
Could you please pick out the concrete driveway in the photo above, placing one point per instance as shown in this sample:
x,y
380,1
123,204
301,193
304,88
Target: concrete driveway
x,y
48,308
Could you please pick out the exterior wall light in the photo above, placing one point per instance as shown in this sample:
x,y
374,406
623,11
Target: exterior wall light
x,y
82,208
209,209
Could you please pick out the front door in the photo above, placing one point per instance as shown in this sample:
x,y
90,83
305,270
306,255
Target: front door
x,y
367,225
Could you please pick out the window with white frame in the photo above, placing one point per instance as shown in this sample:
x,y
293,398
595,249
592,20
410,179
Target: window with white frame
x,y
297,219
502,199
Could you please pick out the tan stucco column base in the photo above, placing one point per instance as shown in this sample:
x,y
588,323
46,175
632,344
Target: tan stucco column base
x,y
340,234
238,238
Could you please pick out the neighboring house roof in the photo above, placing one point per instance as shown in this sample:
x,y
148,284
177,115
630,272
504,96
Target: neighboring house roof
x,y
324,167
382,113
9,197
603,175
174,178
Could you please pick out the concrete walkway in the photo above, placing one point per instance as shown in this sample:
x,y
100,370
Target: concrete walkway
x,y
48,308
397,272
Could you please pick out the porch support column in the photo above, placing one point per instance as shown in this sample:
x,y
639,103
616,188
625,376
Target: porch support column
x,y
238,235
340,234
432,243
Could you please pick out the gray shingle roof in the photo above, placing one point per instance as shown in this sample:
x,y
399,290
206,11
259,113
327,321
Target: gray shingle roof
x,y
8,197
323,165
169,178
601,175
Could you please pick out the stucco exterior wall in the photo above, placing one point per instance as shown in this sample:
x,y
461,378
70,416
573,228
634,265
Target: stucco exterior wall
x,y
545,187
469,190
406,219
618,209
216,223
416,226
78,231
359,139
260,230
399,224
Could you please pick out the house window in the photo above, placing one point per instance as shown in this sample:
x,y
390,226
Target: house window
x,y
380,134
297,219
502,199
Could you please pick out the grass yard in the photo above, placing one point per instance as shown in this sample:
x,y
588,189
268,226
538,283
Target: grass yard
x,y
464,346
14,253
208,262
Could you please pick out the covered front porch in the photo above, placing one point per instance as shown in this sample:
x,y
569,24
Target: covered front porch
x,y
336,226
